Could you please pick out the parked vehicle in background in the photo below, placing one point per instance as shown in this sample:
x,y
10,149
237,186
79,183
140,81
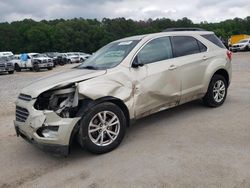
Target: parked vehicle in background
x,y
73,57
6,65
236,38
127,79
57,60
62,58
83,56
242,45
6,54
15,59
35,62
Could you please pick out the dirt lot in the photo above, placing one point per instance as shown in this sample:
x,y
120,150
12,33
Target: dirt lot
x,y
188,146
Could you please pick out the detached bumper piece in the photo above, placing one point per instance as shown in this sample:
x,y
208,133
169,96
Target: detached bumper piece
x,y
48,148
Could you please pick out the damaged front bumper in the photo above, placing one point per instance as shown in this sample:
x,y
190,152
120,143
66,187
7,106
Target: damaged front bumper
x,y
50,148
44,129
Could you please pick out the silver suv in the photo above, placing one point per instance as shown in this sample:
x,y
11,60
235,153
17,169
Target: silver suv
x,y
125,80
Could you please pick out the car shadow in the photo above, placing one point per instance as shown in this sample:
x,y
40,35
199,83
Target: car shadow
x,y
151,120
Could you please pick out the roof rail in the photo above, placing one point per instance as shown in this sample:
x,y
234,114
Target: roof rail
x,y
183,29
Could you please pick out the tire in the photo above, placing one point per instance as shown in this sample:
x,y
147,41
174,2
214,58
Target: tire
x,y
247,48
11,72
36,68
88,133
217,87
17,68
61,63
50,68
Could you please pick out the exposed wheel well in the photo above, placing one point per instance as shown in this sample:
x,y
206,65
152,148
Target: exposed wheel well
x,y
223,73
88,103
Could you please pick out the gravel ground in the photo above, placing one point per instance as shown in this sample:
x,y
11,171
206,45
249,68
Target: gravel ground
x,y
187,146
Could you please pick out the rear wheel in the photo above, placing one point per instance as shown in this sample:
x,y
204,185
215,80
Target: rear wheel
x,y
102,128
61,63
217,92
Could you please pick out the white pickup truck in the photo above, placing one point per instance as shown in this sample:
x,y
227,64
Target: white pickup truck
x,y
34,62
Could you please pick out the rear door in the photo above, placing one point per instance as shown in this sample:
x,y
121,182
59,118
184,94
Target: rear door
x,y
191,57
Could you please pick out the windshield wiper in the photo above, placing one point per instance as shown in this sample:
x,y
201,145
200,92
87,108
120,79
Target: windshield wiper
x,y
89,67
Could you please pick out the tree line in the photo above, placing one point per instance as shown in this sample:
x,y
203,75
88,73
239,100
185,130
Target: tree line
x,y
88,35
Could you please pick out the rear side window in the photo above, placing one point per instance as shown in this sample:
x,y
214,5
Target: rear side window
x,y
202,47
156,50
214,39
185,45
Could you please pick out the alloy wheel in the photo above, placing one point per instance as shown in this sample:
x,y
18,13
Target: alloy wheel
x,y
219,91
104,128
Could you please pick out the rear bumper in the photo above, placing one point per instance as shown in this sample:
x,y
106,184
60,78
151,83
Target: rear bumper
x,y
49,148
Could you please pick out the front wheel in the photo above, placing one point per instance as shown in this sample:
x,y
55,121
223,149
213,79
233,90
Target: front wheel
x,y
50,68
102,128
217,92
36,67
17,68
11,72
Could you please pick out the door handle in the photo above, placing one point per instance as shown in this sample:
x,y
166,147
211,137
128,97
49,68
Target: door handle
x,y
204,58
172,67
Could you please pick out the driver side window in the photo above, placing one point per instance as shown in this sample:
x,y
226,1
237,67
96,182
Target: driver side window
x,y
156,50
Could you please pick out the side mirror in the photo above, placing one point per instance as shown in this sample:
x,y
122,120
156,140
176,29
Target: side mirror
x,y
136,64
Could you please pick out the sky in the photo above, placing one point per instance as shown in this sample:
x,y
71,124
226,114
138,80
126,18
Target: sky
x,y
196,10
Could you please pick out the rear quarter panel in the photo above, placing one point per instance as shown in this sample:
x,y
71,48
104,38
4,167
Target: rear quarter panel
x,y
217,60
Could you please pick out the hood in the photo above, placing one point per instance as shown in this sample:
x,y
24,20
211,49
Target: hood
x,y
71,76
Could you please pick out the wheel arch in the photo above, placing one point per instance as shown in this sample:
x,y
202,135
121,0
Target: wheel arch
x,y
224,73
220,71
88,103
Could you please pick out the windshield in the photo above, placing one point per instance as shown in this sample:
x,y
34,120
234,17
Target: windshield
x,y
39,55
72,54
110,55
243,41
52,54
3,58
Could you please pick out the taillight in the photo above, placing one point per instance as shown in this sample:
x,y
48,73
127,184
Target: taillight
x,y
229,55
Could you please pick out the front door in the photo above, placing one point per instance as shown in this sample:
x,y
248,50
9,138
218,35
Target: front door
x,y
160,87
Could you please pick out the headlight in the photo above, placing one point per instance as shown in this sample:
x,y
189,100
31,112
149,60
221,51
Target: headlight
x,y
62,101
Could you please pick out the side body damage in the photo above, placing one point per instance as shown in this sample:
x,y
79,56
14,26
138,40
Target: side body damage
x,y
52,111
